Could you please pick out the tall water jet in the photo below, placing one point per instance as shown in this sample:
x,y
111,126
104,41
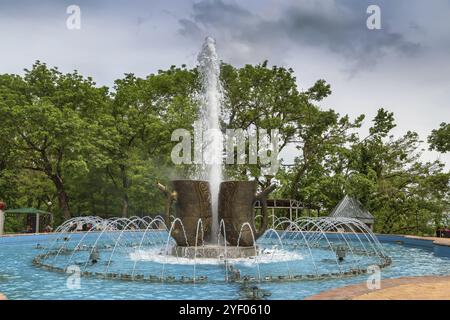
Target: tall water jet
x,y
212,144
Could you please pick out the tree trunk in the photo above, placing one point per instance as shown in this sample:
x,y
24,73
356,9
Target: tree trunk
x,y
295,186
125,185
105,204
125,205
262,197
63,198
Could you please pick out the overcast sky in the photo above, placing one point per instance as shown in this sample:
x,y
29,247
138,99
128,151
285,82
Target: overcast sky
x,y
404,67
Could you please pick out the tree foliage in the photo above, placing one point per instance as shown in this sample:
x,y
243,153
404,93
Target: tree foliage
x,y
439,139
72,147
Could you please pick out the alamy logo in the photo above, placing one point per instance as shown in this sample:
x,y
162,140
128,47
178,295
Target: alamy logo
x,y
74,279
374,280
251,146
73,22
373,22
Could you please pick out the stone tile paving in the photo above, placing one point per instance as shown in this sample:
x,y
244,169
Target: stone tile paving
x,y
406,288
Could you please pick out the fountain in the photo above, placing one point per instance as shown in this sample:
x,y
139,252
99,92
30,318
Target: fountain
x,y
211,108
206,202
213,235
143,249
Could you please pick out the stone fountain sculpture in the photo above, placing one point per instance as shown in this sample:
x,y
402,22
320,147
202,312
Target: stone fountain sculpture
x,y
236,208
192,203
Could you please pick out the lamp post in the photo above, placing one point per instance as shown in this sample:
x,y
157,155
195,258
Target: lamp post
x,y
2,217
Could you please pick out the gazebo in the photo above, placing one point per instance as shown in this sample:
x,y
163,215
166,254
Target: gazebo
x,y
287,204
350,207
28,211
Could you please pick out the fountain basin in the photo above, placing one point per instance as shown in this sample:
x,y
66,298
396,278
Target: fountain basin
x,y
22,280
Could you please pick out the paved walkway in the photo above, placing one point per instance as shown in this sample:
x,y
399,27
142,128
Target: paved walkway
x,y
406,288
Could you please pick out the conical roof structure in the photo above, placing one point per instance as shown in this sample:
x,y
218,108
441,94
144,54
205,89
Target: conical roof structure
x,y
350,207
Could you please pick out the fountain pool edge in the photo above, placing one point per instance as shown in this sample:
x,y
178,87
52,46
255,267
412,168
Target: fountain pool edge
x,y
439,246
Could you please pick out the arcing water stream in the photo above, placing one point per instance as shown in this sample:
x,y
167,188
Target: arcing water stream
x,y
141,249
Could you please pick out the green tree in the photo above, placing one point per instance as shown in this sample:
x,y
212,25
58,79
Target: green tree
x,y
439,139
265,98
387,175
141,118
53,120
63,138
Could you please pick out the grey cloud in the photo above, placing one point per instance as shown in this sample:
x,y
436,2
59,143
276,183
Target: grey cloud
x,y
338,27
343,31
190,29
218,13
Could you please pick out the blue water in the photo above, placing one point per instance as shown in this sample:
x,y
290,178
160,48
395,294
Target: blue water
x,y
19,279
